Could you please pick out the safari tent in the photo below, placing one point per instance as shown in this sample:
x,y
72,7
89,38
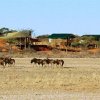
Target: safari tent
x,y
61,38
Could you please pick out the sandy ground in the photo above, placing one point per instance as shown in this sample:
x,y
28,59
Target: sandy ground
x,y
79,79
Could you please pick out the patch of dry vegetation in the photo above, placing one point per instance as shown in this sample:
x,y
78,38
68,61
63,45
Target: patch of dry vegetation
x,y
58,54
65,79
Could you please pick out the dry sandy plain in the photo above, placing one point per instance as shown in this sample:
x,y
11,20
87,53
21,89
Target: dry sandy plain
x,y
79,79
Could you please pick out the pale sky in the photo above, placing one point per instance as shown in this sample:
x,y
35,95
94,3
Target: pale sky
x,y
51,16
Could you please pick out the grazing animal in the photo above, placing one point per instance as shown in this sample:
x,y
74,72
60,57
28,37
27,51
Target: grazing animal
x,y
58,62
9,61
37,61
62,62
2,62
48,61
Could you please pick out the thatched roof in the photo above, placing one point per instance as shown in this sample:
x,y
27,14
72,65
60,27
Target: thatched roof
x,y
17,34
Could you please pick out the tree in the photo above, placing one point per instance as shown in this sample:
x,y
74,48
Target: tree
x,y
29,32
88,39
82,41
43,36
4,31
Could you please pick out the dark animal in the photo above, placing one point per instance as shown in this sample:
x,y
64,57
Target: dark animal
x,y
58,62
48,61
62,62
2,63
9,61
37,61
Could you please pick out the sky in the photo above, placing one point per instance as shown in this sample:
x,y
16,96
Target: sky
x,y
51,16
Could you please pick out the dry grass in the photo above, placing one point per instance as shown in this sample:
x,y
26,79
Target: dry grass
x,y
25,77
71,79
58,54
78,80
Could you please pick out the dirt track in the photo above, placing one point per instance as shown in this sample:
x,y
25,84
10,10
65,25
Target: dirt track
x,y
78,80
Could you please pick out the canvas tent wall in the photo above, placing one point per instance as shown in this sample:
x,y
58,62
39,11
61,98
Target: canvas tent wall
x,y
61,38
